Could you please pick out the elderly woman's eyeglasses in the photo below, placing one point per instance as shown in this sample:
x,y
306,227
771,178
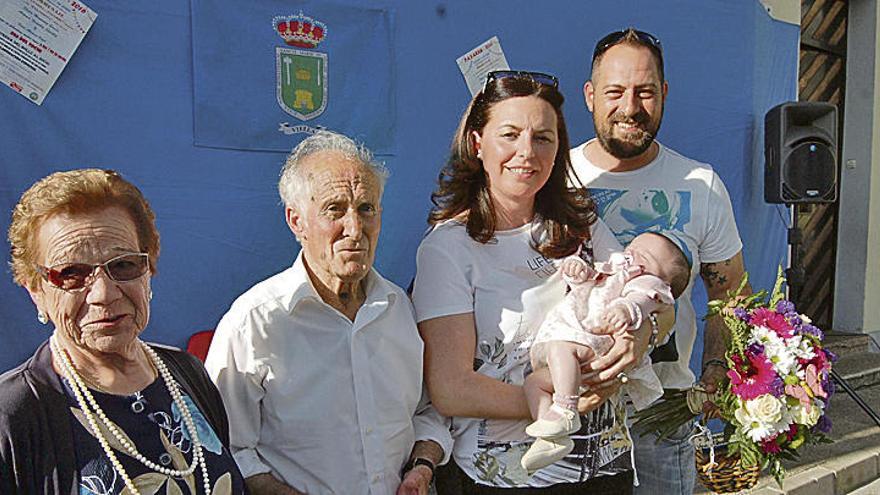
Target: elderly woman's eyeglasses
x,y
614,38
75,276
538,77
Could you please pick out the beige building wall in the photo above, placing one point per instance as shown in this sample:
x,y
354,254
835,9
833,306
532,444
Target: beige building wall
x,y
857,278
871,319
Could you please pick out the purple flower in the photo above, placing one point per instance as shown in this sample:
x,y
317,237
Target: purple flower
x,y
784,306
830,355
777,387
756,349
823,425
811,330
828,386
741,314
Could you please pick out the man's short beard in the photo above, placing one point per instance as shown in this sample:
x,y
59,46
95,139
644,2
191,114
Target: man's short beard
x,y
622,149
619,148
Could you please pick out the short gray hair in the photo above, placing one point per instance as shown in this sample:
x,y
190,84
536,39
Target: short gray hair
x,y
293,185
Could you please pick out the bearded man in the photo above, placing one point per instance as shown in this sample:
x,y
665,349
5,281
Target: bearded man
x,y
639,186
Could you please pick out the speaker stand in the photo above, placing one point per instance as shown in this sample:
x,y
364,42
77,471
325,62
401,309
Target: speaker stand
x,y
794,274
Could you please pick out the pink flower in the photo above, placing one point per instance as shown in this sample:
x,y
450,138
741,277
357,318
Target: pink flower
x,y
752,379
814,382
799,393
769,446
820,361
774,321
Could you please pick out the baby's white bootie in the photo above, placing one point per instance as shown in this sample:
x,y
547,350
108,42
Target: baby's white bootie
x,y
568,422
546,451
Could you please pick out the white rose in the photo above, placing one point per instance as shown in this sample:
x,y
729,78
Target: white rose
x,y
765,408
762,417
807,416
755,429
742,415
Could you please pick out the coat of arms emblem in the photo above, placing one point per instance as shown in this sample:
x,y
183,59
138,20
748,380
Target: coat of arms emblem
x,y
301,75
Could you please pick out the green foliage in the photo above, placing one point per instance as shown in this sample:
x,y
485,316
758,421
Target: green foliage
x,y
666,416
777,294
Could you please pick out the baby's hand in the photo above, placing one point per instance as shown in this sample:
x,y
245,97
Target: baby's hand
x,y
576,270
616,319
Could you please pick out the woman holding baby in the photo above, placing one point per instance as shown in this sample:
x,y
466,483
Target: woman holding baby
x,y
487,275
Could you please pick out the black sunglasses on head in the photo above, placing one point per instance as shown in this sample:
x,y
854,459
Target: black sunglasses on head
x,y
538,77
614,38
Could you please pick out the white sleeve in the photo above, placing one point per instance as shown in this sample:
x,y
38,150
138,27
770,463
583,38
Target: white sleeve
x,y
722,240
442,286
431,425
232,367
604,242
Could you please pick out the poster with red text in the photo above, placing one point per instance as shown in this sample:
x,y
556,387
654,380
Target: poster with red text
x,y
37,39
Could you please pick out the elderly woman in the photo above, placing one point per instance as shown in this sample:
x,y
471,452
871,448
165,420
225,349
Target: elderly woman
x,y
487,274
96,410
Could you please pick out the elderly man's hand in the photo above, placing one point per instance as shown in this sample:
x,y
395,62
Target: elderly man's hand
x,y
415,481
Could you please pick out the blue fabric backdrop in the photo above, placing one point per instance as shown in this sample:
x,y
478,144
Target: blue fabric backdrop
x,y
127,101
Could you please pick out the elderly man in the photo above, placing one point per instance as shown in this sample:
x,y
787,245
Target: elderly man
x,y
320,366
640,185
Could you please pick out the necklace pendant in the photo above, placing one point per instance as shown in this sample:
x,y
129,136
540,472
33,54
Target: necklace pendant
x,y
137,406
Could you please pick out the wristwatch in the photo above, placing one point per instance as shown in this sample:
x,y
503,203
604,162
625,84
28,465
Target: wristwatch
x,y
417,461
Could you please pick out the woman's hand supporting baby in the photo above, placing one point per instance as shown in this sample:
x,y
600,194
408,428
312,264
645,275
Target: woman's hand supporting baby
x,y
625,353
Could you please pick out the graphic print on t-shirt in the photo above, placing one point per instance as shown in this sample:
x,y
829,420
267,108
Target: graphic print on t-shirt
x,y
601,439
629,213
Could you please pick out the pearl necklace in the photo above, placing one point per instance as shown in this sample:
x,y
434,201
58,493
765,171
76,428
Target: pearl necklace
x,y
85,399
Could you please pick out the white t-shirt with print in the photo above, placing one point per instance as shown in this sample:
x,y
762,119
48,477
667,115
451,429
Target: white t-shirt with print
x,y
509,287
676,195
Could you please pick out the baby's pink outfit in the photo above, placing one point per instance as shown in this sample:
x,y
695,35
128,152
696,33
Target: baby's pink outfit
x,y
616,282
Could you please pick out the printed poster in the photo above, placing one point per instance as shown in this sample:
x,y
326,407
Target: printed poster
x,y
475,64
37,40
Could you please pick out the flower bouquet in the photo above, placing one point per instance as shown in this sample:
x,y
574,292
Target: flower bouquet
x,y
775,400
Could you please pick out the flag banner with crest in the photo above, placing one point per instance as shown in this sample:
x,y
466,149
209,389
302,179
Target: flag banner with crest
x,y
267,73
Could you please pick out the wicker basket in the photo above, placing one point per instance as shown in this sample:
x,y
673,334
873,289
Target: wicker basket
x,y
728,475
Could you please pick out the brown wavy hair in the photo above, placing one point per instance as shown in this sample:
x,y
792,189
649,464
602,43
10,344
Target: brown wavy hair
x,y
463,189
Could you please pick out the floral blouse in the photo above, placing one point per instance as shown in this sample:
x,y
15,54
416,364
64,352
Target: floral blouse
x,y
152,421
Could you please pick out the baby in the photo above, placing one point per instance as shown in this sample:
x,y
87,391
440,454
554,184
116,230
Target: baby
x,y
614,297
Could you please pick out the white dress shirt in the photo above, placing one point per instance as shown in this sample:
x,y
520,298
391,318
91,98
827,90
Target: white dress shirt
x,y
324,404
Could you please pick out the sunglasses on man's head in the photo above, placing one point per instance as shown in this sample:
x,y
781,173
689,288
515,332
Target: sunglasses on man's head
x,y
615,37
538,77
75,276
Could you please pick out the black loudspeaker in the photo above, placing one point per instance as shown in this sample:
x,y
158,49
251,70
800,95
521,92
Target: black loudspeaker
x,y
800,153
